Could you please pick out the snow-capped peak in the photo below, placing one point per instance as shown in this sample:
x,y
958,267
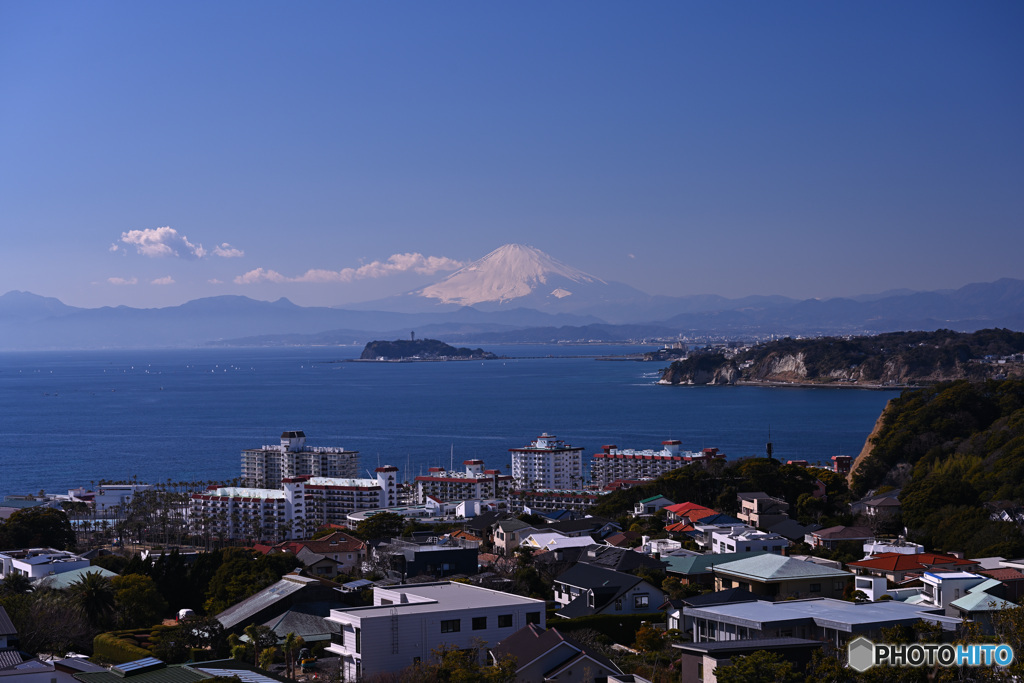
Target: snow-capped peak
x,y
508,272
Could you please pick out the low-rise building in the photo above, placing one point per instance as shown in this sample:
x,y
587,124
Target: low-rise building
x,y
407,624
738,540
698,661
547,655
648,506
760,510
586,589
831,537
38,563
775,577
823,619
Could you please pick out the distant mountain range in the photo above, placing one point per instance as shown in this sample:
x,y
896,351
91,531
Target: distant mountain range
x,y
514,294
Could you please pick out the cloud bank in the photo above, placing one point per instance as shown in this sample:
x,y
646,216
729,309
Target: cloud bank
x,y
166,241
396,263
119,281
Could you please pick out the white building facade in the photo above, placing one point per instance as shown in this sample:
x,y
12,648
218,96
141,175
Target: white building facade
x,y
625,463
407,624
38,563
298,507
742,540
269,465
547,463
475,483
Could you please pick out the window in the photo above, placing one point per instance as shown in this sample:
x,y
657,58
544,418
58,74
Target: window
x,y
451,626
618,604
479,623
359,641
504,620
815,587
533,617
641,601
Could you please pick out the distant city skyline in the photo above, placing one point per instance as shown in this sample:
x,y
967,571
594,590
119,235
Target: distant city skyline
x,y
151,154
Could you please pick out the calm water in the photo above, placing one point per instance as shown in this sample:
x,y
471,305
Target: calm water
x,y
70,418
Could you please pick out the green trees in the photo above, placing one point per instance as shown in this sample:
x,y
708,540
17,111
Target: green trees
x,y
758,667
381,525
137,602
94,596
38,527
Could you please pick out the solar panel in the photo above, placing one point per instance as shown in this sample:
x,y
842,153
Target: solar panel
x,y
138,666
244,675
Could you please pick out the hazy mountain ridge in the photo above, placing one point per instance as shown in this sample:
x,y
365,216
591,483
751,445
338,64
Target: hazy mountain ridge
x,y
521,294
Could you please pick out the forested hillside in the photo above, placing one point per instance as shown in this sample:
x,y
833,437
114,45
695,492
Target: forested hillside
x,y
956,449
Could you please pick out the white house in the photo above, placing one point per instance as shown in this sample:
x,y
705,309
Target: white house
x,y
737,540
37,563
406,624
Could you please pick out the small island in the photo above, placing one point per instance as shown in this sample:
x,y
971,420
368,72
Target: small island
x,y
407,350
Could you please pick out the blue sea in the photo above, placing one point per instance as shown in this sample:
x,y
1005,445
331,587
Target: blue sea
x,y
71,418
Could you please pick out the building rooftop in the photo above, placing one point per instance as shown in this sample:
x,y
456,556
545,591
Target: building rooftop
x,y
425,598
826,612
771,567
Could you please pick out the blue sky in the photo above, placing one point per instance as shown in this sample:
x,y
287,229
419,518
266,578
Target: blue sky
x,y
805,149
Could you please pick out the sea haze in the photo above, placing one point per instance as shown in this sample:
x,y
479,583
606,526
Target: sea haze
x,y
71,418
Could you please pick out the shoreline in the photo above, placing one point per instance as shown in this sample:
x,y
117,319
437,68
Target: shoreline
x,y
778,384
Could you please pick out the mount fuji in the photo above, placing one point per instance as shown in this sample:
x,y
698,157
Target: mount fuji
x,y
520,276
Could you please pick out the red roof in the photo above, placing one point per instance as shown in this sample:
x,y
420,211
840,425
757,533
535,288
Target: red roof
x,y
684,508
896,562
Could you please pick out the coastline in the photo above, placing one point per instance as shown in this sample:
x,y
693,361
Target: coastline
x,y
777,384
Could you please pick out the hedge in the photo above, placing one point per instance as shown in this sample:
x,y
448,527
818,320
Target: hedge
x,y
110,648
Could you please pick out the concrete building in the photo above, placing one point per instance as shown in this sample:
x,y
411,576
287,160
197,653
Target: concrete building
x,y
407,624
739,540
38,563
547,463
475,483
269,465
299,506
777,578
614,463
760,510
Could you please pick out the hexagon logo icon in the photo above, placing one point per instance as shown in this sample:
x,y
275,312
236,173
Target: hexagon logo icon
x,y
861,654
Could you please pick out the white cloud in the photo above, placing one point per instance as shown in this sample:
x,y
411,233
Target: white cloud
x,y
396,263
114,248
168,280
215,281
162,242
227,251
122,281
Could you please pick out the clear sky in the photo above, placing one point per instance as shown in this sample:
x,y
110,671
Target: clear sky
x,y
332,152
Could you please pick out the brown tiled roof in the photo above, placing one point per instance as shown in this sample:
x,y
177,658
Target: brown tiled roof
x,y
1003,574
684,508
338,542
894,562
838,533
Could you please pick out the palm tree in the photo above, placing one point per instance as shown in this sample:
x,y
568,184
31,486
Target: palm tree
x,y
94,596
289,649
15,584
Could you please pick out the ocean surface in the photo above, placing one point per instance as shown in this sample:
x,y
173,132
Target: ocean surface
x,y
71,418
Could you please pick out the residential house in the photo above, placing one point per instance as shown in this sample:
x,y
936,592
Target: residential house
x,y
1012,579
407,624
698,661
738,540
509,533
410,558
619,559
153,670
336,553
268,605
822,619
66,579
687,511
648,506
699,569
882,508
547,655
981,601
586,589
760,510
943,589
552,540
674,608
775,577
831,537
37,563
899,567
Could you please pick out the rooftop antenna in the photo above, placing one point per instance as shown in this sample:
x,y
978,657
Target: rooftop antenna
x,y
768,449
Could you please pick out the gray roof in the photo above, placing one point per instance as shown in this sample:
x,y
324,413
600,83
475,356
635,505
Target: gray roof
x,y
9,658
6,625
728,647
306,621
703,564
825,612
251,606
770,567
513,525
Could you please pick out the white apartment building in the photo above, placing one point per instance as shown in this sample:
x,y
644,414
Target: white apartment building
x,y
269,465
406,624
475,483
547,463
37,563
299,506
741,540
625,463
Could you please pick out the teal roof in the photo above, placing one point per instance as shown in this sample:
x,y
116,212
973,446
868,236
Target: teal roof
x,y
701,564
770,567
653,498
978,601
985,586
65,579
